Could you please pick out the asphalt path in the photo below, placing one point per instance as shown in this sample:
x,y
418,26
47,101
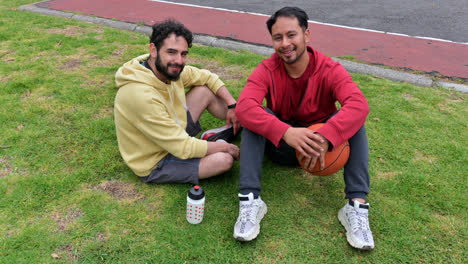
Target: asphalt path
x,y
443,19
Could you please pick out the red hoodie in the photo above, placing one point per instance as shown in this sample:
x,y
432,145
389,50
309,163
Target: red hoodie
x,y
328,82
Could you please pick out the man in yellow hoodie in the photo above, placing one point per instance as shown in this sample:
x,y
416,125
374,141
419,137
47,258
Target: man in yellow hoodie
x,y
156,121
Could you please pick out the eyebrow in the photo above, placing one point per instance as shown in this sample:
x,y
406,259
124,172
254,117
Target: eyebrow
x,y
184,51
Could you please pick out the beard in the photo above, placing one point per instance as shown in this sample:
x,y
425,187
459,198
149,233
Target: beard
x,y
293,60
163,69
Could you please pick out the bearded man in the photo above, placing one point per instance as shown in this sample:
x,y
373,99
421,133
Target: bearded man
x,y
157,122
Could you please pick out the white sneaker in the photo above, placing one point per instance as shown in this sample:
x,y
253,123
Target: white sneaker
x,y
251,212
354,217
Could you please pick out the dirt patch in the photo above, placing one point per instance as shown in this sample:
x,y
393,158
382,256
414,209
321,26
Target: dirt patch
x,y
423,157
456,97
114,58
307,175
8,60
302,201
275,245
4,79
70,65
66,251
7,55
27,94
451,103
101,237
97,84
407,96
12,232
448,224
118,52
64,220
34,94
73,62
226,73
387,175
104,112
120,190
5,167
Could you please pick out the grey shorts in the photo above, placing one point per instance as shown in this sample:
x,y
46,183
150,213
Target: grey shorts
x,y
174,170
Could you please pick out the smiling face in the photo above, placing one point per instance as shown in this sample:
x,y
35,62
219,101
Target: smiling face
x,y
170,58
289,39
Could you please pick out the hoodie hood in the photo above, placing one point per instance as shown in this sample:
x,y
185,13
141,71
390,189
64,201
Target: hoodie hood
x,y
134,72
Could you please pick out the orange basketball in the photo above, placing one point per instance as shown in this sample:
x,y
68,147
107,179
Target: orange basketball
x,y
334,159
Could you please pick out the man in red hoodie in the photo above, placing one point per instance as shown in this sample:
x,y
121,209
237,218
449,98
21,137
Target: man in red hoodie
x,y
301,87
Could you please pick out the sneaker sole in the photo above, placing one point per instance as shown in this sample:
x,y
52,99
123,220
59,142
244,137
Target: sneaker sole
x,y
256,230
343,222
214,131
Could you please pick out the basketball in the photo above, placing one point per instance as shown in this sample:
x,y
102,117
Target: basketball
x,y
334,159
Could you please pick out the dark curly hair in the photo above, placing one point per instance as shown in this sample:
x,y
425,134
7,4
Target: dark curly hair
x,y
167,27
289,11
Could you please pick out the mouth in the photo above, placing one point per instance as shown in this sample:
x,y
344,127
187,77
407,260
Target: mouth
x,y
175,67
287,52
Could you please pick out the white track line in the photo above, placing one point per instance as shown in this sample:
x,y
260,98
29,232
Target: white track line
x,y
310,21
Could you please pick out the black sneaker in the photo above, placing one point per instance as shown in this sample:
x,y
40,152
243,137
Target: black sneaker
x,y
221,133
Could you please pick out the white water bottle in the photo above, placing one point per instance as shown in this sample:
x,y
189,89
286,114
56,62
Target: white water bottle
x,y
195,204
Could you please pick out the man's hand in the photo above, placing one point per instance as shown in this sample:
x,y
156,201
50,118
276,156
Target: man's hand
x,y
234,151
310,145
220,146
232,119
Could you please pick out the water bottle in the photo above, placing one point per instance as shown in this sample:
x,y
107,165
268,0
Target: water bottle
x,y
195,204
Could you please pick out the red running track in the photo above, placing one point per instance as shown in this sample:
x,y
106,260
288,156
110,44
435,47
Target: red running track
x,y
426,55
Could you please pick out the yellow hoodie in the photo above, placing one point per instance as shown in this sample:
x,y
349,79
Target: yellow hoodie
x,y
150,116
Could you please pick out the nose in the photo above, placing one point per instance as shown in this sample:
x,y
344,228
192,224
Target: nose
x,y
285,42
179,59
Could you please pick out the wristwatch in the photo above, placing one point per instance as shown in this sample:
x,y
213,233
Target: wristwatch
x,y
232,106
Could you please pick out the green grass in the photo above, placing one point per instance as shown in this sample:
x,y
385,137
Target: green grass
x,y
65,191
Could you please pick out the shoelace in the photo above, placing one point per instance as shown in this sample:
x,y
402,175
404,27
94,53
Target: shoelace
x,y
358,221
247,211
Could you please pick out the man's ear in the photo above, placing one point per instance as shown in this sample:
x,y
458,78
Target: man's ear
x,y
307,36
153,50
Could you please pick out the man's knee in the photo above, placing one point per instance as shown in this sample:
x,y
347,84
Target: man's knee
x,y
225,160
220,162
215,164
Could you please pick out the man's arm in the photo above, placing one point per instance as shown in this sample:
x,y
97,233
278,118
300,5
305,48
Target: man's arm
x,y
231,118
250,110
149,115
196,77
347,121
354,107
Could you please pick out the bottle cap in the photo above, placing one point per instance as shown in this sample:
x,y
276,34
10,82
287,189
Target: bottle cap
x,y
196,193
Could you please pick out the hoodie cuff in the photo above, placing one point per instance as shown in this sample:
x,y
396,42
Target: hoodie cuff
x,y
332,134
201,148
278,133
216,86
